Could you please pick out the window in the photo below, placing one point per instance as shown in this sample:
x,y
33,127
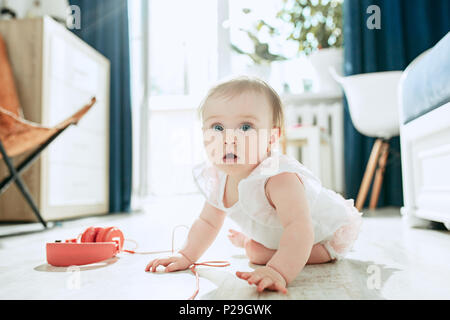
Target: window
x,y
179,49
183,41
182,63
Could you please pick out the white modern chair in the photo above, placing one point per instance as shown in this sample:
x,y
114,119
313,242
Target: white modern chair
x,y
373,104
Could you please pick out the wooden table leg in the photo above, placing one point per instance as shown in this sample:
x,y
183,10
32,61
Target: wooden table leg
x,y
368,174
379,175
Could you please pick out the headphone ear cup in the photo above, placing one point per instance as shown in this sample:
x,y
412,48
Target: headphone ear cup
x,y
114,234
90,234
100,235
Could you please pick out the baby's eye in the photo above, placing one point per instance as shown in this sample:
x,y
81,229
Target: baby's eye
x,y
217,127
245,127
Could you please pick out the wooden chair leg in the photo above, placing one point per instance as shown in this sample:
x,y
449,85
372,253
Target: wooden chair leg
x,y
368,174
379,175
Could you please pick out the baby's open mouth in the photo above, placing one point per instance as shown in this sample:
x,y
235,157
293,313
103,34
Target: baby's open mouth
x,y
230,157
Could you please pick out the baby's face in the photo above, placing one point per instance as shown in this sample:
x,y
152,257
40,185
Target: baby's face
x,y
237,131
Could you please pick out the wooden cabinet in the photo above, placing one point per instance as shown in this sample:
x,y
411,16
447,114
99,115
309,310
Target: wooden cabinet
x,y
56,73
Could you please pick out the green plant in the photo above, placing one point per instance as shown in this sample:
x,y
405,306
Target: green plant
x,y
261,53
315,24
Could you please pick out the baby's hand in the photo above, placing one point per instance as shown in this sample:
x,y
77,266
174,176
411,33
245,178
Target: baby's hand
x,y
174,263
264,277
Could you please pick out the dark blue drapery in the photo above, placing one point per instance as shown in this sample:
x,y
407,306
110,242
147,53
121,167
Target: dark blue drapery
x,y
408,28
104,26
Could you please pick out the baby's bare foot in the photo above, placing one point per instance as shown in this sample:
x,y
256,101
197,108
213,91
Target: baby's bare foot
x,y
237,238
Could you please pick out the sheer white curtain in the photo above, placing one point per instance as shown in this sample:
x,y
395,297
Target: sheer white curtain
x,y
175,56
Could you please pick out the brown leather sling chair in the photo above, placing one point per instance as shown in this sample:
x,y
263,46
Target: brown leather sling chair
x,y
18,135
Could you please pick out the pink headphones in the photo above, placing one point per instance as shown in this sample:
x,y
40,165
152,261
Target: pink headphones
x,y
95,245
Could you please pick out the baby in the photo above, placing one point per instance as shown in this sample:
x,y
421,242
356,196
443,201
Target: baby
x,y
288,218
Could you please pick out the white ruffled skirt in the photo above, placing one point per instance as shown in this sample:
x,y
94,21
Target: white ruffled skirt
x,y
343,239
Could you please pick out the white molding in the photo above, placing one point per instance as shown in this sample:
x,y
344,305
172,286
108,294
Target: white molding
x,y
144,108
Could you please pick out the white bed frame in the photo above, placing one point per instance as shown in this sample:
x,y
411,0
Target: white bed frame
x,y
425,149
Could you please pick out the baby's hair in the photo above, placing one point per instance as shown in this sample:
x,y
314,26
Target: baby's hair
x,y
236,86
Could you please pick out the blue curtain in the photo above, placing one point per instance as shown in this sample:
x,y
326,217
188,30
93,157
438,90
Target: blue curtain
x,y
408,28
104,26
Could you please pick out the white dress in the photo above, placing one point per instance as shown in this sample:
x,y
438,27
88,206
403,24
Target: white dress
x,y
335,220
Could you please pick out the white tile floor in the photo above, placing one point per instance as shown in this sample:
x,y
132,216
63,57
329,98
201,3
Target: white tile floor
x,y
389,261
